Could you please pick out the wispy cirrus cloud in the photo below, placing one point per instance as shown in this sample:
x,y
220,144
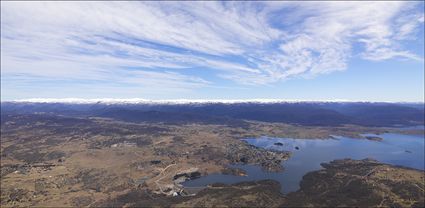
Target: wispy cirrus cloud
x,y
151,44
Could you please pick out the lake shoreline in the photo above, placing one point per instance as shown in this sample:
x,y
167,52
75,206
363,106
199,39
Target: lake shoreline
x,y
385,151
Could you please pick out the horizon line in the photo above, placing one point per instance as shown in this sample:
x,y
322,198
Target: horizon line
x,y
187,101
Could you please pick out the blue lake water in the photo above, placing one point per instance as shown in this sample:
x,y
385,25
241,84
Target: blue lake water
x,y
413,127
396,149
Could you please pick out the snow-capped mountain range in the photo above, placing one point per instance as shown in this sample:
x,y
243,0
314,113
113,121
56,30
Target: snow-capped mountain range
x,y
183,101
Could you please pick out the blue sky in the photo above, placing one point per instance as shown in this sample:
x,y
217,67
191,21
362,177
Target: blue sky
x,y
359,51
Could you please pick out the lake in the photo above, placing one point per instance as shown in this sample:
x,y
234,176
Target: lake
x,y
396,149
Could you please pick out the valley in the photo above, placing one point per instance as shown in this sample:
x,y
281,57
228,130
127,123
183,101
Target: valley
x,y
52,159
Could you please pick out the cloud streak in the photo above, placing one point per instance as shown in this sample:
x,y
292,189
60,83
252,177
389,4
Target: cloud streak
x,y
151,44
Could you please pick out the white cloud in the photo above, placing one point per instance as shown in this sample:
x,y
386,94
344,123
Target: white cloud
x,y
323,41
249,43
